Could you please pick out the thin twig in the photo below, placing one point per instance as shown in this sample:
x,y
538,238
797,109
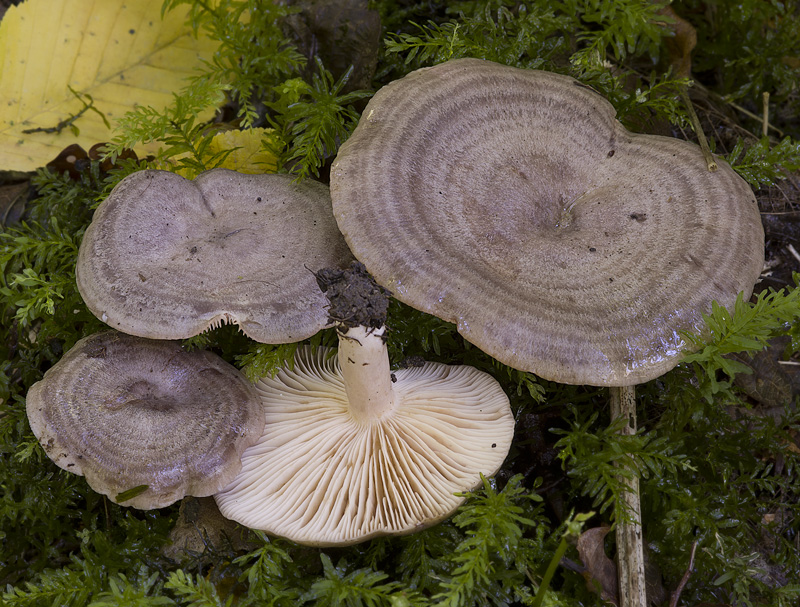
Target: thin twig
x,y
572,565
108,517
673,601
791,178
698,130
750,114
765,121
784,194
68,122
720,99
793,251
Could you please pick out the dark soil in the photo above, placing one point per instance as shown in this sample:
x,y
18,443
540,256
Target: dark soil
x,y
355,298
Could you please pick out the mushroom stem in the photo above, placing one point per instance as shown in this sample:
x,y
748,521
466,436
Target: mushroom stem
x,y
630,544
364,360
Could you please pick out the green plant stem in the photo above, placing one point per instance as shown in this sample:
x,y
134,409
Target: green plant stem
x,y
548,574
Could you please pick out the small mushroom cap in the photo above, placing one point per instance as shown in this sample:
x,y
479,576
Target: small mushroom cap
x,y
167,258
512,203
318,477
127,412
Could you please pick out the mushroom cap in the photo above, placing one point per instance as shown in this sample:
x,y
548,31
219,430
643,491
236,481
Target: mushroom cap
x,y
512,203
318,477
167,258
126,412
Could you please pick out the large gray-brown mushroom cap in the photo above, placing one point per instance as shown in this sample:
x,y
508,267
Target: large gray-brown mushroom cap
x,y
512,203
167,258
333,468
126,412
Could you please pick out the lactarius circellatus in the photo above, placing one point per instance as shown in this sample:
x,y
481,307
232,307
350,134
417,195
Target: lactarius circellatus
x,y
512,203
144,418
168,258
351,450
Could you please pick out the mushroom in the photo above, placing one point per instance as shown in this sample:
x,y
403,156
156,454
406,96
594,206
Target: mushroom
x,y
144,421
351,450
168,258
512,203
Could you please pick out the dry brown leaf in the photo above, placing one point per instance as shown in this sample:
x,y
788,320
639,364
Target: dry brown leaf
x,y
770,383
12,202
681,45
601,572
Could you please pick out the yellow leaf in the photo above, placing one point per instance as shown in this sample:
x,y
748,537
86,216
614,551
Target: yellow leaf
x,y
248,155
120,52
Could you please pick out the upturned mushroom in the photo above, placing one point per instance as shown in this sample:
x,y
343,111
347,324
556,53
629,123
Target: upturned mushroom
x,y
351,450
512,203
168,258
144,421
